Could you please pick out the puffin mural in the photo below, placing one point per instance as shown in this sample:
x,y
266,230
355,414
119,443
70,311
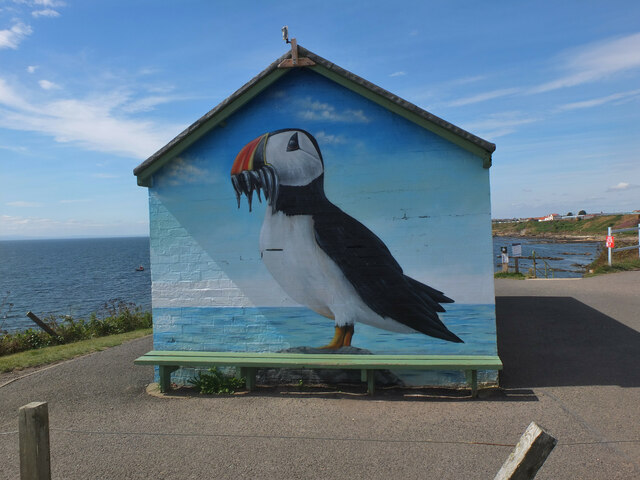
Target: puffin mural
x,y
320,256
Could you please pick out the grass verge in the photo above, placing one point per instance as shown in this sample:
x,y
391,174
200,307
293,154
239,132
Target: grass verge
x,y
621,262
511,275
42,356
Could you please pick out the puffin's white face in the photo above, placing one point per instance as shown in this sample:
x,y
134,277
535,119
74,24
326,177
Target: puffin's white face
x,y
294,156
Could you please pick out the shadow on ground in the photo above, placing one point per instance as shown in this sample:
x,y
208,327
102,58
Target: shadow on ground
x,y
559,341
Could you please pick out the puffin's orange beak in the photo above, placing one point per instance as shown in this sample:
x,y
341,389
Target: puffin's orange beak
x,y
250,172
246,159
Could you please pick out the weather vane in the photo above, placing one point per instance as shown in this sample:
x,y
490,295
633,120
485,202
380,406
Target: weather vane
x,y
294,61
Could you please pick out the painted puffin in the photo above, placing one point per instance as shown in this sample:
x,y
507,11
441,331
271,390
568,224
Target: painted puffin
x,y
322,257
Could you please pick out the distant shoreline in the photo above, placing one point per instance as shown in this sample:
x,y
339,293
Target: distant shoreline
x,y
560,238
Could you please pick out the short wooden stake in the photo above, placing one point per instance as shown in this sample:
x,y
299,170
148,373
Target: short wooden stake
x,y
530,453
33,428
41,324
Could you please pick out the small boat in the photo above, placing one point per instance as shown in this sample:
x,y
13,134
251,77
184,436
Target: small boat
x,y
140,269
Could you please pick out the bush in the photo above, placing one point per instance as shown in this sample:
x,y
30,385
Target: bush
x,y
216,382
117,317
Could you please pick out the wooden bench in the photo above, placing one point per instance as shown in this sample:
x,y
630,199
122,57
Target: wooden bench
x,y
169,361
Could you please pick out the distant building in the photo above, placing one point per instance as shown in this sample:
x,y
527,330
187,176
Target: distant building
x,y
549,218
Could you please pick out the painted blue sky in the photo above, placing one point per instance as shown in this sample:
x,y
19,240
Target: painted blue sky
x,y
90,89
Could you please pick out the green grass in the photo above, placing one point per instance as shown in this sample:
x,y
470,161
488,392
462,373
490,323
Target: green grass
x,y
43,356
511,275
620,261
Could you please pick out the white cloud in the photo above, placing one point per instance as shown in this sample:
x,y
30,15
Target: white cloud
x,y
398,74
319,111
47,12
75,200
32,68
595,62
499,124
146,104
22,203
48,227
622,186
594,102
105,175
481,97
50,3
12,37
47,85
94,123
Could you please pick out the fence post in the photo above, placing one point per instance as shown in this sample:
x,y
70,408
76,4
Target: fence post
x,y
33,433
609,248
532,450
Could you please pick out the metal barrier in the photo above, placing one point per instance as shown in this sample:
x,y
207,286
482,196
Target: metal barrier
x,y
611,241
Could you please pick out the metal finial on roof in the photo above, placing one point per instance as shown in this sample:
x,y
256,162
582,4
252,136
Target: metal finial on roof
x,y
294,61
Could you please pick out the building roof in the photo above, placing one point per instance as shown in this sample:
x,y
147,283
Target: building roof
x,y
324,67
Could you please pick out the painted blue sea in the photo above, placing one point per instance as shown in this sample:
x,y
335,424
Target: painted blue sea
x,y
70,277
274,329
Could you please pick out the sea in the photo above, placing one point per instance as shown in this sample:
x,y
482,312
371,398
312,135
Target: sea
x,y
78,277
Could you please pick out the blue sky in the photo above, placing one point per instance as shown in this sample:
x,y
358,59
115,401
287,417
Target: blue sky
x,y
90,89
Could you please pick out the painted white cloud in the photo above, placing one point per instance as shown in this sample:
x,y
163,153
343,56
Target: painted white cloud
x,y
327,139
11,38
595,62
47,85
47,12
32,68
181,171
398,74
320,111
95,123
595,102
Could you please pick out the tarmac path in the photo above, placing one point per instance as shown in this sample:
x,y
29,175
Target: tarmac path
x,y
571,350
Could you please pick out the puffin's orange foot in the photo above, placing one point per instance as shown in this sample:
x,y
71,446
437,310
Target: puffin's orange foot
x,y
342,338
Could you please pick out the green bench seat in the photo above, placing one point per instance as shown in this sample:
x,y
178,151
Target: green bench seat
x,y
168,361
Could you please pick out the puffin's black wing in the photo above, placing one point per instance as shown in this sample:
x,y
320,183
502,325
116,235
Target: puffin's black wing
x,y
367,263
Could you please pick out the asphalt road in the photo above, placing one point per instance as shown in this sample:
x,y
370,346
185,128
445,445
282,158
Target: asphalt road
x,y
571,350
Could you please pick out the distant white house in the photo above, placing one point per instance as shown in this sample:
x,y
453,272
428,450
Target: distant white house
x,y
549,218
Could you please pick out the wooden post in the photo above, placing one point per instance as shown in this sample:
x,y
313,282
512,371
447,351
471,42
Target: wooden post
x,y
33,427
517,267
535,271
41,324
532,450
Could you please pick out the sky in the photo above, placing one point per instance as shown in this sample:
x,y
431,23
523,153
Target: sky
x,y
88,90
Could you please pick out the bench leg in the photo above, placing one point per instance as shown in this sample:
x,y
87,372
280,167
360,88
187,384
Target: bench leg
x,y
249,373
472,381
371,382
165,377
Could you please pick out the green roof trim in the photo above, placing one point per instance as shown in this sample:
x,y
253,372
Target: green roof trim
x,y
271,74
